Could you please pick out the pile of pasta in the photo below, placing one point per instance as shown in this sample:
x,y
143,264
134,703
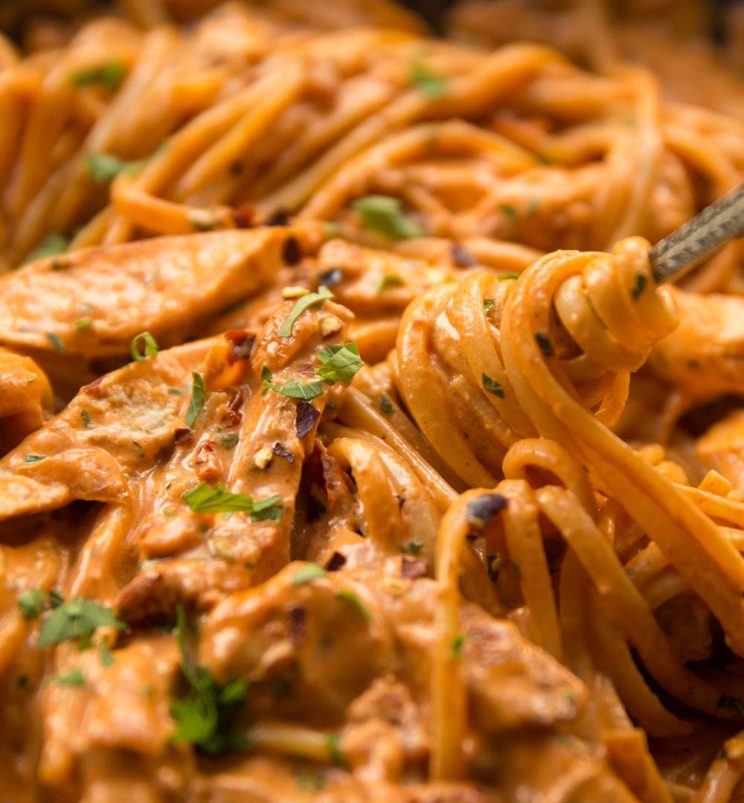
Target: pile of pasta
x,y
350,450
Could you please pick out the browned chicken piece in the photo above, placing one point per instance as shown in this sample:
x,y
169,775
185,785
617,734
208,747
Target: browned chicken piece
x,y
704,355
25,398
93,302
722,448
350,646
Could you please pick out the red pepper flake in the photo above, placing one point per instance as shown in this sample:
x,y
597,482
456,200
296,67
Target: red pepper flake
x,y
241,342
291,251
279,217
413,568
183,435
91,386
305,419
244,216
335,562
207,467
461,256
297,624
280,450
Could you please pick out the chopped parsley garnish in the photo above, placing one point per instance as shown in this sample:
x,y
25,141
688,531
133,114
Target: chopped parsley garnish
x,y
488,304
104,167
339,363
359,606
413,547
206,499
335,753
390,280
196,403
492,386
508,276
543,341
56,342
386,406
640,285
85,417
458,645
143,346
509,210
74,677
104,653
292,388
307,573
77,619
51,245
203,222
107,75
82,324
303,303
34,458
229,441
204,717
384,214
431,84
31,603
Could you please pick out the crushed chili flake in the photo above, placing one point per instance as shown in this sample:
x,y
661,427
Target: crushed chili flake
x,y
335,562
280,450
242,343
413,568
461,256
183,435
244,216
297,624
305,418
291,251
279,217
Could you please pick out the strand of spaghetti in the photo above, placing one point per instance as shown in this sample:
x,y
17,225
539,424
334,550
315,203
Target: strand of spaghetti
x,y
622,601
685,535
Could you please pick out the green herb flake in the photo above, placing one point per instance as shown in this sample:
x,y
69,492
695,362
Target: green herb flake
x,y
641,280
74,677
292,388
488,305
229,441
352,598
196,403
143,347
458,645
56,342
390,280
386,406
77,619
510,211
503,276
83,324
31,603
492,386
51,245
85,417
104,167
339,363
543,341
431,84
34,458
413,547
335,753
310,571
105,655
109,75
303,303
384,214
204,716
206,499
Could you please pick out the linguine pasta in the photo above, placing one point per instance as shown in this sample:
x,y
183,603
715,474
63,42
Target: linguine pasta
x,y
349,450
